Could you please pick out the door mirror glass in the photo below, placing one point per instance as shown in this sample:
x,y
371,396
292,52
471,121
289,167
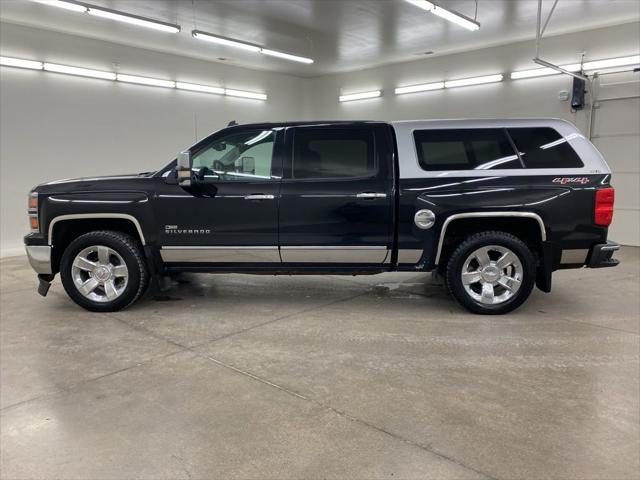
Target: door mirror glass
x,y
184,168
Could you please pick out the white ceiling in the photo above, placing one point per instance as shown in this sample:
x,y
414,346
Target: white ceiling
x,y
340,35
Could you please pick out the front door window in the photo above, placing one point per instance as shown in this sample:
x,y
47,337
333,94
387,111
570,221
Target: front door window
x,y
243,156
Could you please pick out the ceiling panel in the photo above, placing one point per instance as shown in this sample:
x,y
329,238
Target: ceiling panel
x,y
341,35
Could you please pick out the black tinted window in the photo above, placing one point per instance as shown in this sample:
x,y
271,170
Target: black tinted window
x,y
465,149
333,153
544,148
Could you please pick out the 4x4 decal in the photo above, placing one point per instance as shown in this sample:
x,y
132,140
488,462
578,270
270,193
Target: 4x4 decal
x,y
565,180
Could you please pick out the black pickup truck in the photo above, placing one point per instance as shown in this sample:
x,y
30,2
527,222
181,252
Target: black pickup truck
x,y
493,206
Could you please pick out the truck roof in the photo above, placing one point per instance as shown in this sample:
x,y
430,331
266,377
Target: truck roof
x,y
431,123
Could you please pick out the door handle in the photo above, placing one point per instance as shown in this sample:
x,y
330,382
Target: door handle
x,y
371,195
259,196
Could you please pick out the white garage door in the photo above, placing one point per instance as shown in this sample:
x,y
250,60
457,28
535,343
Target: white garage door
x,y
616,133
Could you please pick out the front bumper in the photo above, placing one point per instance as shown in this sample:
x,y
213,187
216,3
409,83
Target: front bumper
x,y
600,256
40,258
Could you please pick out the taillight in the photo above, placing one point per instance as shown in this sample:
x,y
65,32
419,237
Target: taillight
x,y
603,211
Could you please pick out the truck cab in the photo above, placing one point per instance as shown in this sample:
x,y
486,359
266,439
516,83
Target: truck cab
x,y
492,206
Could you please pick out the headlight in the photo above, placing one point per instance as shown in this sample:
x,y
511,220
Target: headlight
x,y
34,222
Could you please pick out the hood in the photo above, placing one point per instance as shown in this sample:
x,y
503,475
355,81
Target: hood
x,y
102,183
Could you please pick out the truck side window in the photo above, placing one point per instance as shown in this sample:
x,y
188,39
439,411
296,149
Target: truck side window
x,y
544,147
465,149
333,153
239,156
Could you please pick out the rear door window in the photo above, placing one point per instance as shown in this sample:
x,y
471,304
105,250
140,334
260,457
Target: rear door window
x,y
465,149
333,153
544,147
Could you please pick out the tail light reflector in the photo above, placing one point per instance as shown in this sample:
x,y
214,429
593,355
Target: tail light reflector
x,y
603,211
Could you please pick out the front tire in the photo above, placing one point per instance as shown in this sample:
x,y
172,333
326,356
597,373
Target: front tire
x,y
104,271
491,273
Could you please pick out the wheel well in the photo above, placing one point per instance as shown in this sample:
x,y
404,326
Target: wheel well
x,y
526,229
66,231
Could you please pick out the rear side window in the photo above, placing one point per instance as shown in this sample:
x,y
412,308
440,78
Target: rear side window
x,y
333,153
544,147
465,149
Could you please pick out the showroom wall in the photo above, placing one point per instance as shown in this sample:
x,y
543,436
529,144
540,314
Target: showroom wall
x,y
54,126
518,98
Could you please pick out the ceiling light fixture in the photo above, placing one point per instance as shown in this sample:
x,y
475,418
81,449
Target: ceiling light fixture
x,y
193,87
155,82
611,63
449,15
208,37
425,87
250,47
243,94
465,82
360,96
286,56
82,72
622,63
20,63
544,72
75,7
133,19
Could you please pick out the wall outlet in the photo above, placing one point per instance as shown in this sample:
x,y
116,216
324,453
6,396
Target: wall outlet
x,y
563,95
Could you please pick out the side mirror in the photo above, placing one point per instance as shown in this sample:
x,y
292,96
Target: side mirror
x,y
184,169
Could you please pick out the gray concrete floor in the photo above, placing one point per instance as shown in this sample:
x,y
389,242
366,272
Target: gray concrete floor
x,y
235,376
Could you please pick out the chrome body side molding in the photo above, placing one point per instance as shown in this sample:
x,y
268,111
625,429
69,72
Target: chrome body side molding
x,y
412,256
215,254
83,216
334,254
269,254
457,216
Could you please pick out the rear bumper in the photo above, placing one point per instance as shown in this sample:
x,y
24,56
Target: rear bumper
x,y
601,255
40,258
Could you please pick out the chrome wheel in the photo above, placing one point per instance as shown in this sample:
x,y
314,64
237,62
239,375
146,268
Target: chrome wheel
x,y
492,274
99,273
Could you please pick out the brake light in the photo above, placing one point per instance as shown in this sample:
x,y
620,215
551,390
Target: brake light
x,y
603,211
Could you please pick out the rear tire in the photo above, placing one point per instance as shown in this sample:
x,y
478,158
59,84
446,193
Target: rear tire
x,y
491,273
104,271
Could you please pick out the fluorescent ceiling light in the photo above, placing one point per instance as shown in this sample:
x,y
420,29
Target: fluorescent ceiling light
x,y
18,62
82,72
624,63
473,81
250,47
133,19
359,96
199,88
627,68
449,15
145,81
612,62
286,56
544,72
425,87
153,82
243,94
62,4
225,41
